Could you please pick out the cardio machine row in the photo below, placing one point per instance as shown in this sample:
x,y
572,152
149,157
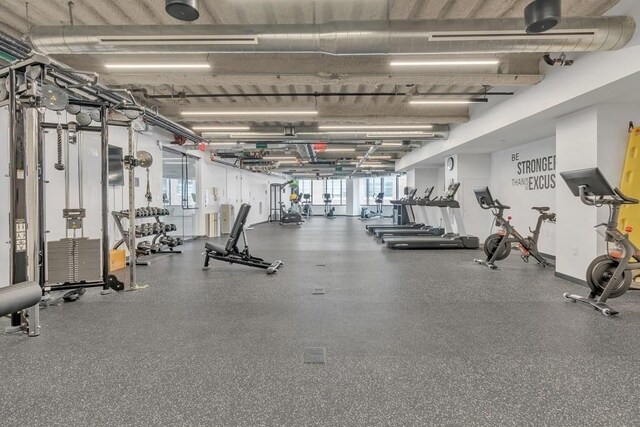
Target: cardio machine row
x,y
422,233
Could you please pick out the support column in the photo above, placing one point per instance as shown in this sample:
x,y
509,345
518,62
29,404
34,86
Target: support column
x,y
353,196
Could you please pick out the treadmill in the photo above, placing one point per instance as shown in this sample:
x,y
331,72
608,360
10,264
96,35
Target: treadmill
x,y
449,240
409,202
425,230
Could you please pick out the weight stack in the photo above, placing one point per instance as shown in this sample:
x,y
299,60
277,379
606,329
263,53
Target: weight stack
x,y
73,260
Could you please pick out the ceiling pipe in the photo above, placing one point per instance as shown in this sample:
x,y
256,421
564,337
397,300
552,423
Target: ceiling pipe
x,y
438,132
367,156
435,36
321,94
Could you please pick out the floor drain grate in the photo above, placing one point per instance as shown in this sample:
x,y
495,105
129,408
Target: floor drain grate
x,y
315,355
321,265
318,291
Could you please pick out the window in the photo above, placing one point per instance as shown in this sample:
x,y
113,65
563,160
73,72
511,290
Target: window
x,y
304,185
338,190
370,187
317,188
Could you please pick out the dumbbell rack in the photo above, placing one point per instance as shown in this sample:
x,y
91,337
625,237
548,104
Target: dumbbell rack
x,y
118,216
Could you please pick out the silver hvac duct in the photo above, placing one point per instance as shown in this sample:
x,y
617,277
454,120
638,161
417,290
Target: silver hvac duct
x,y
436,36
439,132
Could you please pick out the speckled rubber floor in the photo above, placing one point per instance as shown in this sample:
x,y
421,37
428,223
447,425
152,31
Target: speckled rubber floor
x,y
411,338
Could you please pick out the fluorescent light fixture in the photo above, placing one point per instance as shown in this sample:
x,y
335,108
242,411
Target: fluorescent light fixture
x,y
241,134
445,101
175,66
400,134
251,113
374,127
224,143
376,157
444,63
221,128
337,150
392,144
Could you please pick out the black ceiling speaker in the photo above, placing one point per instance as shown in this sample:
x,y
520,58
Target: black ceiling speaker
x,y
184,10
541,15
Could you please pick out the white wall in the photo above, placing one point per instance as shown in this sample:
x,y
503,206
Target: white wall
x,y
593,137
513,186
471,170
235,186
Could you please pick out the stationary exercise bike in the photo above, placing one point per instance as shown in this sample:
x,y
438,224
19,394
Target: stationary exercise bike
x,y
608,276
366,213
328,209
498,245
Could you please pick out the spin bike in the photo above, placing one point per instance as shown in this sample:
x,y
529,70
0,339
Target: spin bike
x,y
608,276
498,245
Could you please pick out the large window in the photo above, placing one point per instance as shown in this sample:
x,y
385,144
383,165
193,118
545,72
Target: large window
x,y
370,187
317,188
304,186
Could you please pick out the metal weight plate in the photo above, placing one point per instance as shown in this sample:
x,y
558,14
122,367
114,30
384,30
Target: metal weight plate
x,y
95,115
83,118
144,158
54,98
73,109
131,114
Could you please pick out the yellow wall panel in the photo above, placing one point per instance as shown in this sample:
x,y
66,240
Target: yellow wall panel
x,y
630,186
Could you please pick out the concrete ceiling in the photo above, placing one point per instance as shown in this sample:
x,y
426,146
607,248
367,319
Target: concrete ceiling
x,y
345,90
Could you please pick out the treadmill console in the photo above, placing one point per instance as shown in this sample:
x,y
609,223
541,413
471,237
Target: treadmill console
x,y
451,191
427,193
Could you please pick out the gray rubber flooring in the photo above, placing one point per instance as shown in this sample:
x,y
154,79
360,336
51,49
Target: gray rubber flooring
x,y
410,338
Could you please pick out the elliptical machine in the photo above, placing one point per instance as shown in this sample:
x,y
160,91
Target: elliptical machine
x,y
498,245
328,209
306,205
608,276
366,213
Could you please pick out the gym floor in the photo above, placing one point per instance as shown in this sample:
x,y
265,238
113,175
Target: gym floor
x,y
411,338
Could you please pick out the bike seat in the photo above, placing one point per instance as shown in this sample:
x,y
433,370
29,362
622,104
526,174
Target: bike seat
x,y
540,208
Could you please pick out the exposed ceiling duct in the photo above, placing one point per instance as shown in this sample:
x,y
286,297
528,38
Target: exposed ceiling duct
x,y
439,132
572,34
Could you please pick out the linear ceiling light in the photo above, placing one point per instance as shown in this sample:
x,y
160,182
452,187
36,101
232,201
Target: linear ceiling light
x,y
376,157
374,134
392,144
224,143
251,113
175,66
374,127
446,102
454,63
241,134
221,128
337,150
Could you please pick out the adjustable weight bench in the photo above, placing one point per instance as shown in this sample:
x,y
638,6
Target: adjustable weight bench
x,y
232,254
